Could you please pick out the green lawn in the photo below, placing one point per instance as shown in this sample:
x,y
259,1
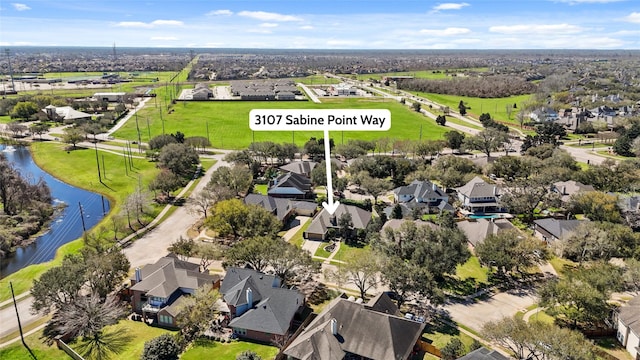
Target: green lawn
x,y
137,334
560,265
476,106
473,270
206,349
298,238
421,74
42,351
347,252
260,189
227,122
321,252
439,335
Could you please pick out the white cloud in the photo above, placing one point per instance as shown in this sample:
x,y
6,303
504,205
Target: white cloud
x,y
259,31
20,7
268,16
133,24
144,25
450,31
549,29
268,25
167,23
450,6
164,38
222,12
306,27
634,17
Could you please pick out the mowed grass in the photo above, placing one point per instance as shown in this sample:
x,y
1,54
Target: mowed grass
x,y
477,106
473,270
422,74
207,349
136,332
227,122
78,168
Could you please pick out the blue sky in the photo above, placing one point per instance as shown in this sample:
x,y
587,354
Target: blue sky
x,y
328,24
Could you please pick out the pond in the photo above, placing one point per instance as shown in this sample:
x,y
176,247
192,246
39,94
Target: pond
x,y
68,224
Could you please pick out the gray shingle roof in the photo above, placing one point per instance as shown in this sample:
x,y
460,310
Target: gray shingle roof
x,y
361,331
300,167
420,189
273,307
322,221
478,188
476,231
483,354
290,183
168,275
557,228
629,315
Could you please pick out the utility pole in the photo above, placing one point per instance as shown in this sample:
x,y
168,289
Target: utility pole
x,y
84,228
15,305
13,85
95,145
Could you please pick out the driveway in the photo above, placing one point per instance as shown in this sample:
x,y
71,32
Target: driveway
x,y
476,314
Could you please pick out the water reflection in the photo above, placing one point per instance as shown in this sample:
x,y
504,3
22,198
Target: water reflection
x,y
67,226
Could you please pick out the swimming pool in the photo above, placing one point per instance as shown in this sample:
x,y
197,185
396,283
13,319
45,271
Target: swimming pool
x,y
485,216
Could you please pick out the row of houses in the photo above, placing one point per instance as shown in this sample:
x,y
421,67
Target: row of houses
x,y
265,90
573,117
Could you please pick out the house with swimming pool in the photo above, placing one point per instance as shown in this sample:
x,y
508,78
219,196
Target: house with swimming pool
x,y
478,196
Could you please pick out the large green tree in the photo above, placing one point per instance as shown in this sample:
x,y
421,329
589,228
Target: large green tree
x,y
509,250
234,218
487,141
181,159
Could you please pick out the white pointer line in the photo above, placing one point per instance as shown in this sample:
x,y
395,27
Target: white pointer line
x,y
331,207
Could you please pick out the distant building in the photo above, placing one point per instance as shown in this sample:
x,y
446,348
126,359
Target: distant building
x,y
201,92
303,168
550,230
477,230
479,196
109,96
291,185
57,113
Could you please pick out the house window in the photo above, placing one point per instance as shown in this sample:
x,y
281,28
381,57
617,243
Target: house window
x,y
166,319
240,331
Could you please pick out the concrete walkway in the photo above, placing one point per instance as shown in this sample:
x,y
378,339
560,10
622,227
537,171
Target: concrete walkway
x,y
302,220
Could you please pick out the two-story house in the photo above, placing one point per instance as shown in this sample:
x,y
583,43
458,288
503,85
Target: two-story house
x,y
423,195
157,289
291,185
478,196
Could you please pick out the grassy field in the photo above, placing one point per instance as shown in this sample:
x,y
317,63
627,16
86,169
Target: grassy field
x,y
298,238
227,122
439,335
421,74
78,168
477,106
206,349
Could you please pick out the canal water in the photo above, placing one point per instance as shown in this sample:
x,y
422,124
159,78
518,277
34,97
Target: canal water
x,y
68,224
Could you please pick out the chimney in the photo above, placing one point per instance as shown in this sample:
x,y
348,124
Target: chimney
x,y
433,186
334,327
250,297
495,191
564,190
138,275
333,220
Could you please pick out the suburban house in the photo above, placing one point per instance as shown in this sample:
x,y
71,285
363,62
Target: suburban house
x,y
477,230
57,113
282,208
423,195
630,209
259,308
550,229
544,114
395,224
484,354
201,92
568,188
324,221
348,329
478,196
157,289
291,185
627,323
300,167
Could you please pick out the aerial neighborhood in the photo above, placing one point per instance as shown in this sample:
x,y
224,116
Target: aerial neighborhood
x,y
489,222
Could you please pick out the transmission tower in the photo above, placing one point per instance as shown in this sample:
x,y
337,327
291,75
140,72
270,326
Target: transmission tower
x,y
13,86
